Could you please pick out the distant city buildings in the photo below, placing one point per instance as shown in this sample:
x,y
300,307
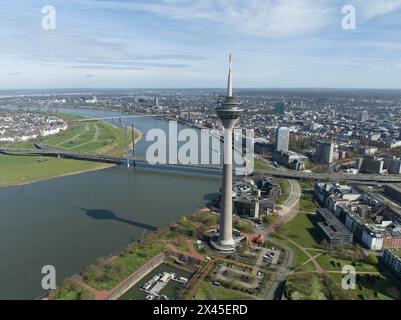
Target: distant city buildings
x,y
357,125
25,126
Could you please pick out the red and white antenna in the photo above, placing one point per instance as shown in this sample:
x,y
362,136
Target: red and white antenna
x,y
230,80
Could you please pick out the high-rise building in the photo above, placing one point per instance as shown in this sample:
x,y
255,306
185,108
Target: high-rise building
x,y
282,139
364,116
324,152
332,114
228,113
279,108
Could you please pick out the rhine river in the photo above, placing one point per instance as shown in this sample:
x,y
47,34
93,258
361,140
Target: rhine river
x,y
69,222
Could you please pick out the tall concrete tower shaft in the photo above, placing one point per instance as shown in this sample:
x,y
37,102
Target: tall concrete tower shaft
x,y
228,113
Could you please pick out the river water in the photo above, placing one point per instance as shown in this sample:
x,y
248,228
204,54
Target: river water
x,y
69,222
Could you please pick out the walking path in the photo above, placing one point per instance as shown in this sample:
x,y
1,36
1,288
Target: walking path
x,y
93,140
313,258
74,138
318,268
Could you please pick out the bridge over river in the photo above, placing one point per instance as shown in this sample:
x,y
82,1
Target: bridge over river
x,y
199,168
120,117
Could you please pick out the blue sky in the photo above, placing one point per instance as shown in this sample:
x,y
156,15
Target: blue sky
x,y
185,43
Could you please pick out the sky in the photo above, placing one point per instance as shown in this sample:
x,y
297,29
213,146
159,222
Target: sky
x,y
185,44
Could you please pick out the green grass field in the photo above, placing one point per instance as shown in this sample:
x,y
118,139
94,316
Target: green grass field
x,y
301,230
285,187
207,291
332,263
108,275
377,287
71,291
299,255
94,137
261,165
305,287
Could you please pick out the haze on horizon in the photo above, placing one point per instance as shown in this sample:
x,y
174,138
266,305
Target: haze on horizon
x,y
184,44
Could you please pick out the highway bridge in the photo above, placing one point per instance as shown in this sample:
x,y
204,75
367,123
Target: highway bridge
x,y
367,178
120,117
200,168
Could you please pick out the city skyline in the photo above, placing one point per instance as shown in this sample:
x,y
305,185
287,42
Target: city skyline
x,y
180,44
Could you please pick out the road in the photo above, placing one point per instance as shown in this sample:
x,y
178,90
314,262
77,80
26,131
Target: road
x,y
275,283
367,178
289,208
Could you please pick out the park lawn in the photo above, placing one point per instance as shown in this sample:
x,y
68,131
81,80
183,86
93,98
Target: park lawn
x,y
377,287
305,287
209,292
307,267
24,169
228,294
81,137
203,292
106,276
261,165
307,204
330,262
71,291
305,185
299,256
285,187
301,230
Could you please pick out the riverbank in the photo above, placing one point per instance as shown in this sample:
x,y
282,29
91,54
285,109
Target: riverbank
x,y
119,272
99,137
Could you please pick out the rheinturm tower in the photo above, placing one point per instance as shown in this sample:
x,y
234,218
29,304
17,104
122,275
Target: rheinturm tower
x,y
228,112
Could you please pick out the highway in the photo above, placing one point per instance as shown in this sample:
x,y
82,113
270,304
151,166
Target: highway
x,y
120,117
395,178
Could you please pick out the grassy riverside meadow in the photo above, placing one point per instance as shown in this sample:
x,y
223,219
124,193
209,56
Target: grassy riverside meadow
x,y
106,274
95,137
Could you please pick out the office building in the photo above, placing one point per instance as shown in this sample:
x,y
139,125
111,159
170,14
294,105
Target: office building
x,y
282,139
324,152
332,229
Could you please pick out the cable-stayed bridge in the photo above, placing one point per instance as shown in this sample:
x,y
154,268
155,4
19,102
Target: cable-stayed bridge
x,y
197,168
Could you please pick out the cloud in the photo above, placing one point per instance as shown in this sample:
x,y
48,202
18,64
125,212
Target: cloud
x,y
374,8
268,18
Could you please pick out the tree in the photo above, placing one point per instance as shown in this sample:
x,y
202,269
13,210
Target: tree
x,y
372,259
269,218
